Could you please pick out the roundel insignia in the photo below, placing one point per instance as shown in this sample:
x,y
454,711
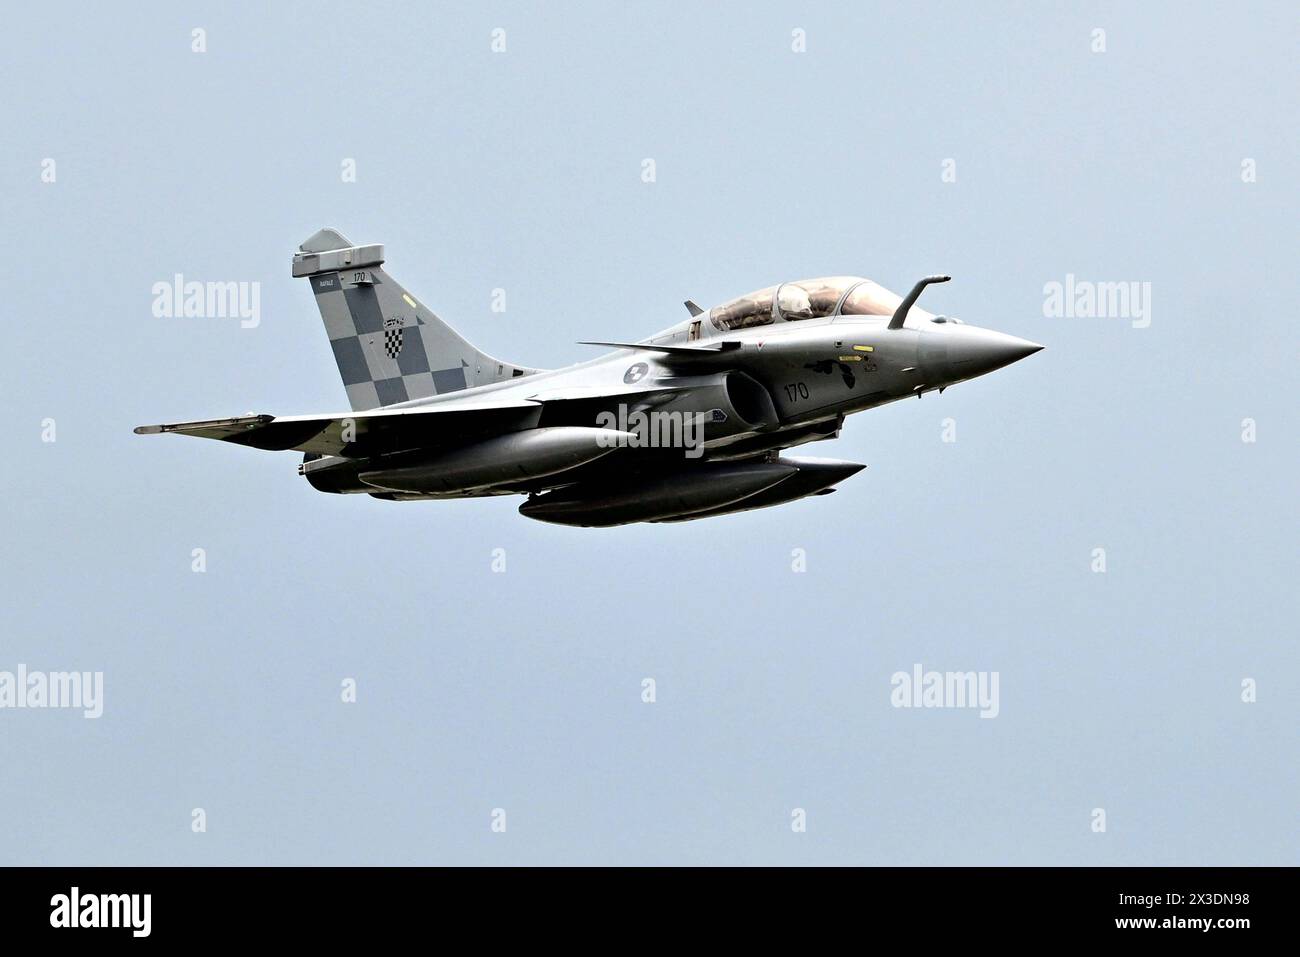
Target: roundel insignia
x,y
635,373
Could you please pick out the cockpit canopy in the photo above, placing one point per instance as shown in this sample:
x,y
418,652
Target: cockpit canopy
x,y
809,299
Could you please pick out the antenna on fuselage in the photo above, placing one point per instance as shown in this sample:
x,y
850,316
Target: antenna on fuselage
x,y
900,314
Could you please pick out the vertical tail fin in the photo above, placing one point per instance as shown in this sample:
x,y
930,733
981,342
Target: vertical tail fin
x,y
389,348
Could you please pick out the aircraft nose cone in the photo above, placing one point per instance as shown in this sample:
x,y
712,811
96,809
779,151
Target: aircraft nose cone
x,y
978,351
1027,348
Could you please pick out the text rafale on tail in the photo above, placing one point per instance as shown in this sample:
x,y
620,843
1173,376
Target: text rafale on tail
x,y
434,418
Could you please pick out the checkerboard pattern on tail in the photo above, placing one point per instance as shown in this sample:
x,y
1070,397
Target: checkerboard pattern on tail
x,y
392,337
388,347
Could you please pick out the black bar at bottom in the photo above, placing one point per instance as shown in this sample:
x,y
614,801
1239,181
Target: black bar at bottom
x,y
337,905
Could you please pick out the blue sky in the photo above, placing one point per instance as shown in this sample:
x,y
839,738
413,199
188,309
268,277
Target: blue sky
x,y
521,690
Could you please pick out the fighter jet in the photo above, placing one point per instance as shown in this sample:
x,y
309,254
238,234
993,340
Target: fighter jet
x,y
689,423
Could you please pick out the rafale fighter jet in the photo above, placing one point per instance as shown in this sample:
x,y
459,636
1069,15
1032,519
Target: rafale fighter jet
x,y
689,423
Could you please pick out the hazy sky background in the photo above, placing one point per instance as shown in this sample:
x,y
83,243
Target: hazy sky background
x,y
522,690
